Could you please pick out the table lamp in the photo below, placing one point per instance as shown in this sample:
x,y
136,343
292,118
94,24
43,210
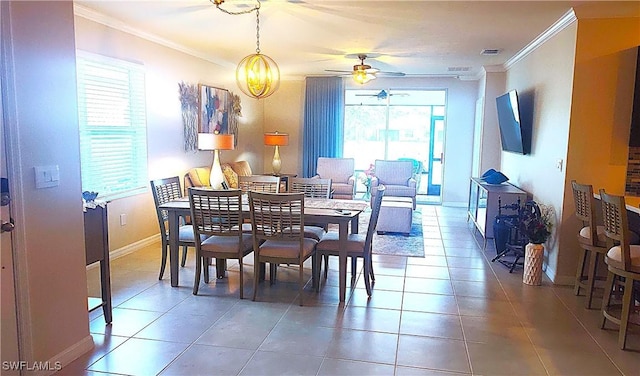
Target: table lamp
x,y
276,139
215,142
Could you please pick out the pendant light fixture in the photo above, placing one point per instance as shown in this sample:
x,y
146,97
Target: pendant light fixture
x,y
257,75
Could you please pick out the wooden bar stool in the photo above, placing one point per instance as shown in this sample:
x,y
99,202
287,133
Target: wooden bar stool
x,y
623,264
591,238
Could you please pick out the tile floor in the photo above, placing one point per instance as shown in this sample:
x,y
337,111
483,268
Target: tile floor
x,y
451,312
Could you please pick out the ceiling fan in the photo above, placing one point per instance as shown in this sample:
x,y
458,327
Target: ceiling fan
x,y
363,73
382,95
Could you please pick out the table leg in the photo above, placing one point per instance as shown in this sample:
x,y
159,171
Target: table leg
x,y
343,230
174,220
354,224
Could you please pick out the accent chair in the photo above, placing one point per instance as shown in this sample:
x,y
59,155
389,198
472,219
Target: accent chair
x,y
341,171
397,177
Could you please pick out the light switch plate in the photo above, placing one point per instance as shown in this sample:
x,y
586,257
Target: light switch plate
x,y
47,176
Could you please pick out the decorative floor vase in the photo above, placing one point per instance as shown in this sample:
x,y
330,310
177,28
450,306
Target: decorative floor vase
x,y
534,254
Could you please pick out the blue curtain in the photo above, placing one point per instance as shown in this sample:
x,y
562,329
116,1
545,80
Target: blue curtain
x,y
323,134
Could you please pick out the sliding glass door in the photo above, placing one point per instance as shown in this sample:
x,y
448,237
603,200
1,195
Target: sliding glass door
x,y
397,124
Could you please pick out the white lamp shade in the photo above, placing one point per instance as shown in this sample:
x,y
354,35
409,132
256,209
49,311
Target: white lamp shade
x,y
211,141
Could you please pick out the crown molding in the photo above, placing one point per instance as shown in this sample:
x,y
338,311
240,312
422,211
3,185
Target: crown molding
x,y
114,23
562,23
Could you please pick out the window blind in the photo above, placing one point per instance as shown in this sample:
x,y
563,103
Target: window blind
x,y
112,118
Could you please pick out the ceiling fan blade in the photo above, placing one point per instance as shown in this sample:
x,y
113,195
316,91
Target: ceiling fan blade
x,y
391,74
338,71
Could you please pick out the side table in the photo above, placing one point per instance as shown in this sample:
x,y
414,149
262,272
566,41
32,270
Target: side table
x,y
284,179
96,239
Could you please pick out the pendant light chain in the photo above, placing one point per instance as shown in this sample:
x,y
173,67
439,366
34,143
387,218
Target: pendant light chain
x,y
258,28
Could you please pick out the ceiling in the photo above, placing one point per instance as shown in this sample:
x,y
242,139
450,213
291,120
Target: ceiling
x,y
305,38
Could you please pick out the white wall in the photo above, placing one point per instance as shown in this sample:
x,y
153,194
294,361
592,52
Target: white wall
x,y
545,78
39,76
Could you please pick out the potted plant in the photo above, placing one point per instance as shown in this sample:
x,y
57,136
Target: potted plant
x,y
536,224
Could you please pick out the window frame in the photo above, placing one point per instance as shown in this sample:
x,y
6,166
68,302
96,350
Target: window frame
x,y
112,123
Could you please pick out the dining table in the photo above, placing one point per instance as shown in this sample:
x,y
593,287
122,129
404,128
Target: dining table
x,y
316,210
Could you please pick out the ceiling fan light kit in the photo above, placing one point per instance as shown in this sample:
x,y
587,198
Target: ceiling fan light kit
x,y
363,73
257,75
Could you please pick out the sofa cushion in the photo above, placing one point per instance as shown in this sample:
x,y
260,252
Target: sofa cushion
x,y
230,175
200,176
242,168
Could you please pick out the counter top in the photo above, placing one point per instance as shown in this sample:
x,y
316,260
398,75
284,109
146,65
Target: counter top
x,y
632,202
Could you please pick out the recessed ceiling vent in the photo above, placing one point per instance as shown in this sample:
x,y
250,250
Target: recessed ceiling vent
x,y
459,69
490,51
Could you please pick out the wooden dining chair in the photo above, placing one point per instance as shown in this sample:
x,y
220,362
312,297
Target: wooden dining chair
x,y
259,183
311,187
358,245
165,190
592,240
278,234
217,220
623,264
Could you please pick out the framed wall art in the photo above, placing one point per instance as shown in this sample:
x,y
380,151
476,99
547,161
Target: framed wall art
x,y
215,104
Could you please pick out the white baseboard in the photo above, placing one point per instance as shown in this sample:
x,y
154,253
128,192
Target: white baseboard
x,y
130,248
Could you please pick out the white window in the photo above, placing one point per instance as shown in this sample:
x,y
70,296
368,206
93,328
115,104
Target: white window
x,y
112,116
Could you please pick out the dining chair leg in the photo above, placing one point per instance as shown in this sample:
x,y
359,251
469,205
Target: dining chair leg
x,y
272,273
300,281
196,282
373,277
314,268
241,278
367,279
206,261
326,266
354,266
184,256
591,277
606,299
258,271
580,272
163,262
318,261
626,312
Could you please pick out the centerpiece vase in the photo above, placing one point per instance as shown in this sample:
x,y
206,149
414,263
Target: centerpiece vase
x,y
533,257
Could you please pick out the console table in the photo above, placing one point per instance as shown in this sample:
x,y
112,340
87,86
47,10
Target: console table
x,y
96,239
483,203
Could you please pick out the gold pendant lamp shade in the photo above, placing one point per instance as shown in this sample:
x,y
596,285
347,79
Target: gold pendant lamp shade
x,y
258,76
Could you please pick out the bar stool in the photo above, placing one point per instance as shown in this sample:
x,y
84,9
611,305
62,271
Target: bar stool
x,y
623,264
592,239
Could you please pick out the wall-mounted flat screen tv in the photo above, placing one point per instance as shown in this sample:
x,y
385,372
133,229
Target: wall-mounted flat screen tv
x,y
512,134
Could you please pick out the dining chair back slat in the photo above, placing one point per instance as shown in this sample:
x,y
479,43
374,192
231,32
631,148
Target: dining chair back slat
x,y
311,187
259,183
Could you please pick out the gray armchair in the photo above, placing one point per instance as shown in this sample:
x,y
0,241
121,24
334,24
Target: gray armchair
x,y
397,177
341,171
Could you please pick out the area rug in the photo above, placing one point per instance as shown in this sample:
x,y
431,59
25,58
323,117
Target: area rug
x,y
396,244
